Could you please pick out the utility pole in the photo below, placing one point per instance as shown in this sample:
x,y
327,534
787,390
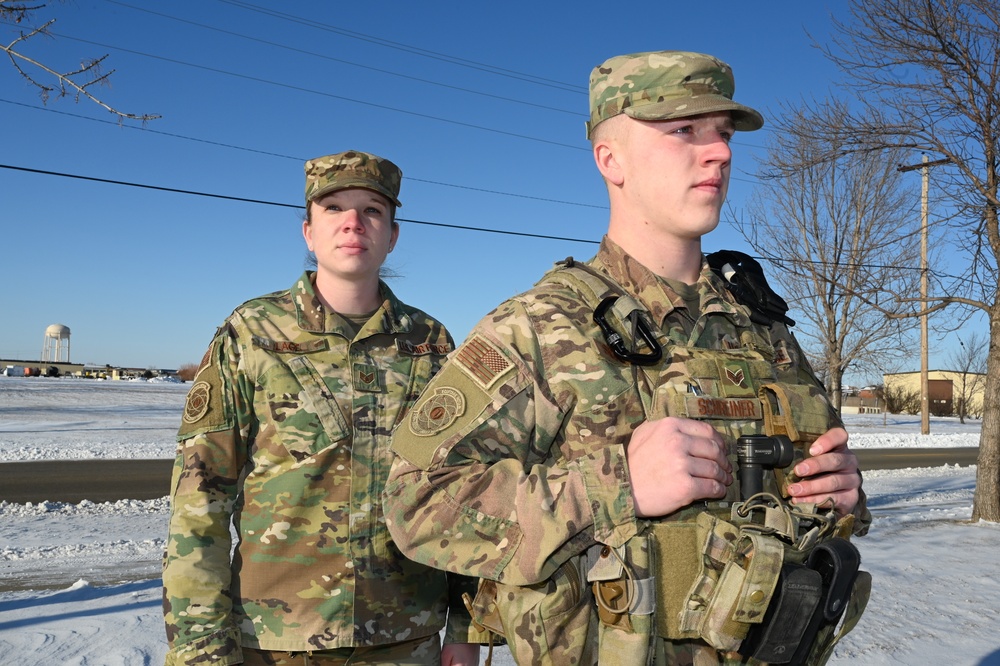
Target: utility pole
x,y
924,166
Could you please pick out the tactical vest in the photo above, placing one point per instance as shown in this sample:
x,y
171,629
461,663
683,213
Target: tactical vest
x,y
752,576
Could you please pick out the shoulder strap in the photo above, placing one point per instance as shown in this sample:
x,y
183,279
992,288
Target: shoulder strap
x,y
592,286
745,280
604,295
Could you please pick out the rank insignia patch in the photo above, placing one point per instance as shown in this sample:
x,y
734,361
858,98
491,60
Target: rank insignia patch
x,y
735,379
437,412
196,405
482,361
366,378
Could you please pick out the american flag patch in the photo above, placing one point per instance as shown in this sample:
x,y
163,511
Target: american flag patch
x,y
482,361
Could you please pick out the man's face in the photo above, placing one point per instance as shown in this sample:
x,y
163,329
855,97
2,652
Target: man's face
x,y
676,172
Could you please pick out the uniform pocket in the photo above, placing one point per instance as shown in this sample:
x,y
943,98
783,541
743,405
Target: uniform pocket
x,y
303,409
554,613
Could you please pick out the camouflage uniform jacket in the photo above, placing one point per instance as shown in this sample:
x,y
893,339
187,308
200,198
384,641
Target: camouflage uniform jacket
x,y
513,463
285,434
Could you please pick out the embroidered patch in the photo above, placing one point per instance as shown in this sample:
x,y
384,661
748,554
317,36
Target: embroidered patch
x,y
366,378
423,349
735,379
289,347
482,361
781,355
438,411
703,407
196,405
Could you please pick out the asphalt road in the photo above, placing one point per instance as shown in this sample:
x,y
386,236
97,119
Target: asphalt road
x,y
112,480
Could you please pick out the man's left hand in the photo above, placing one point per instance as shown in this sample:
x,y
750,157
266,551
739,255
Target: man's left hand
x,y
831,472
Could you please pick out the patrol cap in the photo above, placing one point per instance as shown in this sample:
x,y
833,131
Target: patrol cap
x,y
352,169
660,85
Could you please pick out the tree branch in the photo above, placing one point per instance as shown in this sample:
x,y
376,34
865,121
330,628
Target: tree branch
x,y
79,82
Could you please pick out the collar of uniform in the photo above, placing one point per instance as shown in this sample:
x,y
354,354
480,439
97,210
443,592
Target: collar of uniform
x,y
653,292
636,280
314,317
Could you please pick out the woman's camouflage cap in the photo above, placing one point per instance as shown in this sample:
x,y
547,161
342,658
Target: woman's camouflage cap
x,y
660,85
352,168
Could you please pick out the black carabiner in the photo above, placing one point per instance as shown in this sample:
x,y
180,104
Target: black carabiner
x,y
617,342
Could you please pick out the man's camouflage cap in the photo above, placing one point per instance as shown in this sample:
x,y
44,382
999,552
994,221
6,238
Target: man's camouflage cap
x,y
352,169
660,85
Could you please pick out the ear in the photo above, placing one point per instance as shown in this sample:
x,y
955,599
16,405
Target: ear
x,y
307,233
394,237
606,152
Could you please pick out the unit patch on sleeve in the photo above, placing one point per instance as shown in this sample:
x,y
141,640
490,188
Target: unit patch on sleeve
x,y
482,361
197,402
437,412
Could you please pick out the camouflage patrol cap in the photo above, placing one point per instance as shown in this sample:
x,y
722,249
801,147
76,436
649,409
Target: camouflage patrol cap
x,y
352,169
660,85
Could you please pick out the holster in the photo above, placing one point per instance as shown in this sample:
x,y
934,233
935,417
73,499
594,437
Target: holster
x,y
810,597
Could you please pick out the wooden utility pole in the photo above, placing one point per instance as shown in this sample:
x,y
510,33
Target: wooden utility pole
x,y
924,166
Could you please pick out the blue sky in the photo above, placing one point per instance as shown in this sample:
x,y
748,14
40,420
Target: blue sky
x,y
482,106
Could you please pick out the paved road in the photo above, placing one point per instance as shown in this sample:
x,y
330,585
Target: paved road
x,y
111,480
75,480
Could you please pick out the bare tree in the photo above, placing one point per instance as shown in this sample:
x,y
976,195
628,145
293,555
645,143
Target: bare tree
x,y
839,227
969,363
187,371
79,82
925,75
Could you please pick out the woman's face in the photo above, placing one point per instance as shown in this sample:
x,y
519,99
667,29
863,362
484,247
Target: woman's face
x,y
350,231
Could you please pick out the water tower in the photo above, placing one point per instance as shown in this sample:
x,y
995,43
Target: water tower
x,y
52,350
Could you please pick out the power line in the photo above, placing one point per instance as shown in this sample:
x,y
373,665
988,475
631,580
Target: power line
x,y
227,197
313,54
146,128
321,93
416,50
339,97
288,157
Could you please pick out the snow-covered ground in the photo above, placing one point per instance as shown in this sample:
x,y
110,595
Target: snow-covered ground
x,y
79,586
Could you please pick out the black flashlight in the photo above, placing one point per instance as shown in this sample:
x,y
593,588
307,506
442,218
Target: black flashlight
x,y
755,453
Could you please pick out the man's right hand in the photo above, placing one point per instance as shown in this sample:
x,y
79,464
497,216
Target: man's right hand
x,y
673,462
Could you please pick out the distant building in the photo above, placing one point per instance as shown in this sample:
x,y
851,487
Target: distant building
x,y
860,401
944,388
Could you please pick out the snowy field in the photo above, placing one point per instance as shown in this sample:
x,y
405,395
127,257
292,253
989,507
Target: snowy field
x,y
79,586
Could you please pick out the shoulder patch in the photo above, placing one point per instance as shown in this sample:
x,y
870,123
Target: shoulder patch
x,y
442,408
482,361
197,403
205,404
